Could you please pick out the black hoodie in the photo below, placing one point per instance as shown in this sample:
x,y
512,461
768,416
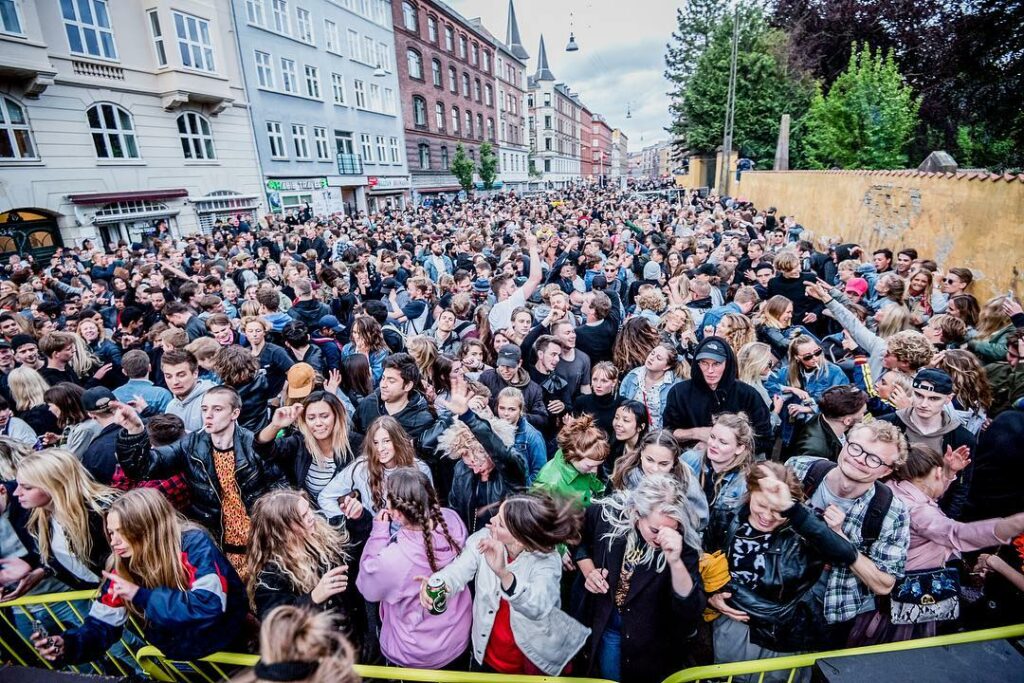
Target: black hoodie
x,y
692,403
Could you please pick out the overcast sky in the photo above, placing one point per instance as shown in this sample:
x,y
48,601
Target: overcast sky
x,y
621,57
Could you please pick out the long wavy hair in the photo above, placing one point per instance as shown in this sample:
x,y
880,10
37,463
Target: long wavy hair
x,y
278,538
741,331
970,383
153,529
795,371
410,492
741,428
341,450
656,493
634,341
73,493
27,387
992,319
405,455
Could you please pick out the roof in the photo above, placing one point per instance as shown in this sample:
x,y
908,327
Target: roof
x,y
513,41
543,70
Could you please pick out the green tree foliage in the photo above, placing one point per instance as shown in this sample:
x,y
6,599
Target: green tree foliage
x,y
766,88
867,119
462,168
488,168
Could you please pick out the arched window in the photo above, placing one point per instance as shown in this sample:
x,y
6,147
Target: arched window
x,y
424,153
469,124
415,64
455,120
444,158
435,70
419,111
439,115
490,129
476,89
480,126
453,80
409,18
15,133
113,132
196,136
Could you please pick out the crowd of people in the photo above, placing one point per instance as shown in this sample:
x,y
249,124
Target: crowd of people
x,y
583,432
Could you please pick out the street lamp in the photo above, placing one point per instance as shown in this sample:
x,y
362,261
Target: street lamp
x,y
379,72
571,46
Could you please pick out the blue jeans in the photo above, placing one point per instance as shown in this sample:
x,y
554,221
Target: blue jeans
x,y
609,652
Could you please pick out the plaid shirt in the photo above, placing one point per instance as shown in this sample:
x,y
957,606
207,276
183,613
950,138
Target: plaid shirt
x,y
175,488
846,596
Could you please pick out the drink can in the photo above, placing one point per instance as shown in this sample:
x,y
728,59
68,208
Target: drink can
x,y
437,591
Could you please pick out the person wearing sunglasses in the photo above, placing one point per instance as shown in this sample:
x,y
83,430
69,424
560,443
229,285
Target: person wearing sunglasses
x,y
851,498
802,380
945,287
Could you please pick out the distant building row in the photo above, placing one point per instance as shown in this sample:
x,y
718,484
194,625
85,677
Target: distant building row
x,y
115,116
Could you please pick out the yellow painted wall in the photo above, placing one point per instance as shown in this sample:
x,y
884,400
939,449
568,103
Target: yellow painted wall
x,y
973,221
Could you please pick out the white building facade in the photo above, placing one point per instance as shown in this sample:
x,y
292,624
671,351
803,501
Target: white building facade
x,y
115,116
554,125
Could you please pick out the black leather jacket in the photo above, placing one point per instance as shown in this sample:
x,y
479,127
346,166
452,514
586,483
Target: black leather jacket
x,y
192,456
785,614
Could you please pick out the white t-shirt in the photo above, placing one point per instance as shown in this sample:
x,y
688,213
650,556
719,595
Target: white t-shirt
x,y
500,316
67,559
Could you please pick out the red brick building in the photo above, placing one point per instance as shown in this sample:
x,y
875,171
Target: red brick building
x,y
601,147
446,79
586,144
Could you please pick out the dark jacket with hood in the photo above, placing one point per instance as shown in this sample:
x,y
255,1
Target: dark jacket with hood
x,y
192,457
534,410
691,403
310,312
953,435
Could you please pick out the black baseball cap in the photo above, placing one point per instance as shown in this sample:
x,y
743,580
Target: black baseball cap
x,y
509,356
713,349
932,379
98,400
19,340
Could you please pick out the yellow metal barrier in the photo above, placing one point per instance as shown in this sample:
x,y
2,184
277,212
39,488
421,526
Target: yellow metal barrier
x,y
794,663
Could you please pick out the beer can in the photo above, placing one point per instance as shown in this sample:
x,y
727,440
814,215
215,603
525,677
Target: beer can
x,y
437,591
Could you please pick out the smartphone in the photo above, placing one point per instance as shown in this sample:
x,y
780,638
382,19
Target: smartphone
x,y
39,629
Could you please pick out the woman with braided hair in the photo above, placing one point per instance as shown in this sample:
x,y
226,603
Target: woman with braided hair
x,y
413,536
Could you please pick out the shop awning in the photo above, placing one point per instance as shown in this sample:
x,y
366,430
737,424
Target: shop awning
x,y
112,197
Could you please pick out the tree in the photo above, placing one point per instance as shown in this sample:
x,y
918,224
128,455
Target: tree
x,y
866,120
462,168
766,88
488,168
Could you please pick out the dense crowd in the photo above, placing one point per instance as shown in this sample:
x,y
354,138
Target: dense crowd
x,y
581,432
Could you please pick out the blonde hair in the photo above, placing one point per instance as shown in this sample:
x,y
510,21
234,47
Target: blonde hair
x,y
772,310
85,360
27,387
894,318
741,331
992,319
424,351
73,493
752,360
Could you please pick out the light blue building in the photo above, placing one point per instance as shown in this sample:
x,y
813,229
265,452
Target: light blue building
x,y
326,111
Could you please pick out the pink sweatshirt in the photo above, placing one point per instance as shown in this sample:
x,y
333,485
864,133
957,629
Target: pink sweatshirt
x,y
410,635
934,537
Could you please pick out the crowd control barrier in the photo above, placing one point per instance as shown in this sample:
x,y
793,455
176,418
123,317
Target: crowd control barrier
x,y
66,611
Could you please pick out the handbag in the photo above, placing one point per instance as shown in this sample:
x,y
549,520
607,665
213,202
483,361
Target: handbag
x,y
926,595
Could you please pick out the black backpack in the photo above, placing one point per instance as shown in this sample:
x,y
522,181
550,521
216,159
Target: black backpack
x,y
878,508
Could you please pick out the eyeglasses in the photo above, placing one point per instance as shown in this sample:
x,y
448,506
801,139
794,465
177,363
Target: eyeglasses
x,y
807,357
870,459
950,280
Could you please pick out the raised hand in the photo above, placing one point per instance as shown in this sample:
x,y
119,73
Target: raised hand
x,y
121,587
815,291
671,543
958,459
333,381
775,492
125,416
286,416
458,399
330,584
493,552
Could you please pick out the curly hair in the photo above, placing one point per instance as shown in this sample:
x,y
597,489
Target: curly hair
x,y
970,382
634,341
910,347
583,439
741,331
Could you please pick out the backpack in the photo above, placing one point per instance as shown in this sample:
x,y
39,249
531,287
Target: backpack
x,y
878,508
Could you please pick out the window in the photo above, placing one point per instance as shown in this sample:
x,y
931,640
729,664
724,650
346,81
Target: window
x,y
364,143
158,38
15,133
444,157
10,17
455,120
547,122
300,141
547,144
382,152
409,19
113,133
312,82
487,61
343,142
393,148
338,88
375,102
490,129
480,126
277,149
360,89
384,57
474,55
435,70
353,46
424,154
304,24
331,41
419,112
453,80
547,165
439,115
264,70
87,25
389,102
432,29
449,39
194,41
415,64
323,150
547,99
254,12
282,21
196,136
476,89
465,84
469,124
289,79
489,95
463,45
369,51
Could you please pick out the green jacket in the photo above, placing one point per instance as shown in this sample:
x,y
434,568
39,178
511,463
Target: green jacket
x,y
1007,385
561,478
993,350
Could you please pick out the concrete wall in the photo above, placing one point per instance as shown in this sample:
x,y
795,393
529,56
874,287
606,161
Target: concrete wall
x,y
966,220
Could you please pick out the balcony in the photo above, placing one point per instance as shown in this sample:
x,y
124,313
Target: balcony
x,y
350,164
26,61
178,87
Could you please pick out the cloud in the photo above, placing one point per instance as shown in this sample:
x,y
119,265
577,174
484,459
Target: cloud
x,y
620,61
